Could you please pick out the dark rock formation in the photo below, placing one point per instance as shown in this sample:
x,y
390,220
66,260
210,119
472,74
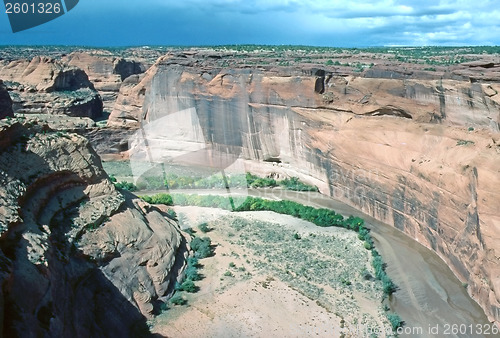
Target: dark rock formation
x,y
77,258
5,102
125,68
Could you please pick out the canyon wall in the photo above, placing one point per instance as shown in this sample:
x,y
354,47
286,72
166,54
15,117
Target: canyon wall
x,y
77,257
46,86
106,72
417,150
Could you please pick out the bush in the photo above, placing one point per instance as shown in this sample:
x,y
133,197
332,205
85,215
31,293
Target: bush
x,y
126,186
294,184
202,247
188,286
395,320
388,285
172,213
204,227
192,273
189,231
178,300
193,261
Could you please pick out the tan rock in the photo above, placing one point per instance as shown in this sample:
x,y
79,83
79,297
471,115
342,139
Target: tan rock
x,y
413,151
78,257
47,86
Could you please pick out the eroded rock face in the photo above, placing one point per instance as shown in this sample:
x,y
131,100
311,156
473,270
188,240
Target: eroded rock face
x,y
5,102
106,73
47,86
422,154
77,258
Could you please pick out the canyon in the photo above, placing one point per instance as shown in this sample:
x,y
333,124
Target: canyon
x,y
79,258
418,150
412,145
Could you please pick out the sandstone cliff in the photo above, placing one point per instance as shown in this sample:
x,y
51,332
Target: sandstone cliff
x,y
106,72
47,86
416,149
78,258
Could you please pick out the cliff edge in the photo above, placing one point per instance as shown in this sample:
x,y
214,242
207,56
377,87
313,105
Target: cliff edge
x,y
78,258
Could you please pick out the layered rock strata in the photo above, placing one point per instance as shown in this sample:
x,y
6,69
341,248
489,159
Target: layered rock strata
x,y
78,258
417,150
105,72
46,86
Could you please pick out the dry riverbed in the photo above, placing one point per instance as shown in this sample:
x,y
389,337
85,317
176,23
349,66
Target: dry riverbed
x,y
276,275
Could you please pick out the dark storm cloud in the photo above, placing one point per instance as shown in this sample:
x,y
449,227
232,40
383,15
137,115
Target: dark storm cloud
x,y
310,22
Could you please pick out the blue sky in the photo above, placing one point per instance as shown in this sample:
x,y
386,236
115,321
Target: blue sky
x,y
345,23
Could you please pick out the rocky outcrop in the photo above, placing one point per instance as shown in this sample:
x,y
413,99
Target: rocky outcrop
x,y
77,258
46,86
127,111
106,72
5,102
422,154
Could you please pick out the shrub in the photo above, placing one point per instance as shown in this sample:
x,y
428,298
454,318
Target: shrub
x,y
189,231
188,286
178,300
293,183
202,247
193,261
126,186
366,274
172,213
204,227
192,273
388,285
395,320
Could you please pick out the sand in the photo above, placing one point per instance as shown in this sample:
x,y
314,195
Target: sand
x,y
244,293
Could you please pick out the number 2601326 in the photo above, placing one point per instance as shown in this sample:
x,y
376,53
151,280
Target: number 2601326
x,y
32,8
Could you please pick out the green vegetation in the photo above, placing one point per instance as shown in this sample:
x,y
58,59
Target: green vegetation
x,y
204,227
202,247
258,182
188,286
320,217
177,299
464,142
294,184
126,186
320,258
216,181
395,320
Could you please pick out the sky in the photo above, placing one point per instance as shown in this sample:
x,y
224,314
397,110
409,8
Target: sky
x,y
336,23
